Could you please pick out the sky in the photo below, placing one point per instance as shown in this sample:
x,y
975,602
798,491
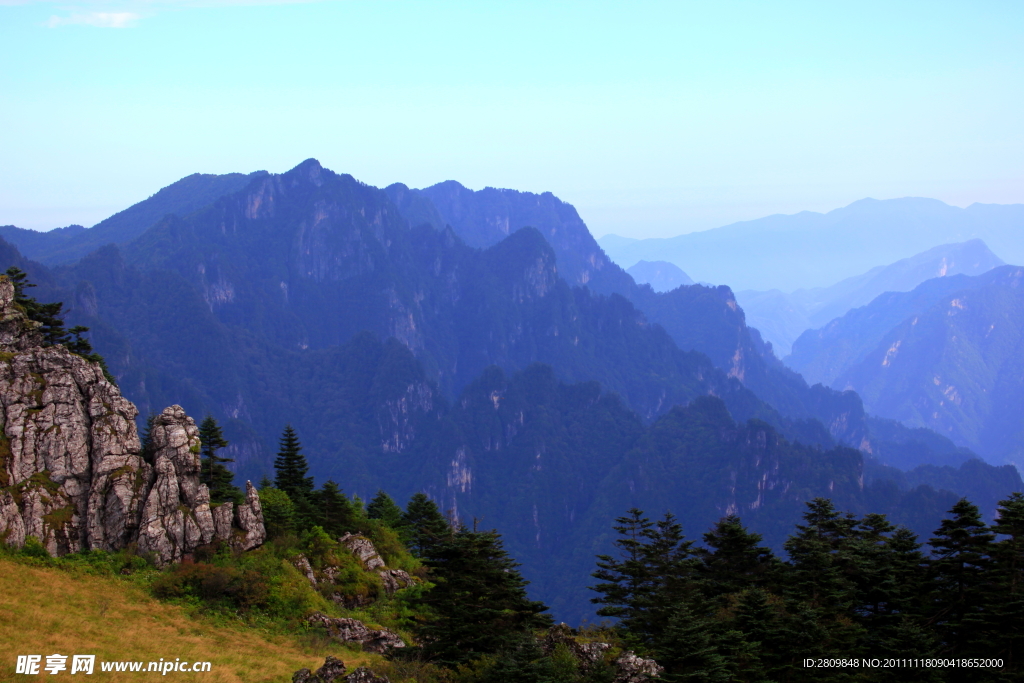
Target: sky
x,y
652,118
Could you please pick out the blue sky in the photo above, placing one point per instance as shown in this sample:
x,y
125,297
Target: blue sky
x,y
652,118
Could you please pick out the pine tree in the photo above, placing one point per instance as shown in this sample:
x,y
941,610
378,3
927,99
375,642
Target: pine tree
x,y
291,467
334,509
821,593
624,580
819,552
478,602
1006,601
687,649
148,448
426,525
385,509
213,471
278,512
961,558
655,578
736,560
673,583
51,322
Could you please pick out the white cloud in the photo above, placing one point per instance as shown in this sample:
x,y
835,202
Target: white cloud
x,y
98,19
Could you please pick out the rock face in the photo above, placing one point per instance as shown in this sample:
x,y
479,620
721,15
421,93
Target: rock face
x,y
355,631
71,470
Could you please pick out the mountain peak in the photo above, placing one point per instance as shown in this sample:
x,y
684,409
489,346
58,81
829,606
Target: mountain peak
x,y
309,170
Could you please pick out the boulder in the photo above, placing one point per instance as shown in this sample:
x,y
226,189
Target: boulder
x,y
333,671
633,669
354,631
364,675
362,548
395,579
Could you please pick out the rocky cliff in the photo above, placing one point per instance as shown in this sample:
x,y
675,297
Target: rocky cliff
x,y
71,469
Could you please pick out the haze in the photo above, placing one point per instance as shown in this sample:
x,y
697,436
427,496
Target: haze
x,y
652,118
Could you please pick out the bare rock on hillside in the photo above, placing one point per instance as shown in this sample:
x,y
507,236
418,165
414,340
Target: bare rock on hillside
x,y
364,675
634,669
395,579
333,671
354,631
71,470
363,548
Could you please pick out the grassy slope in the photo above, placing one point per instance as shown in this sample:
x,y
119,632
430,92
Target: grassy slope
x,y
46,611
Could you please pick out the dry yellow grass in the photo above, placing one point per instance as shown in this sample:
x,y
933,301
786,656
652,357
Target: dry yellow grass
x,y
47,611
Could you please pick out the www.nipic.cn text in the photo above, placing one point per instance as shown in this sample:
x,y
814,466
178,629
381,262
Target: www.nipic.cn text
x,y
86,664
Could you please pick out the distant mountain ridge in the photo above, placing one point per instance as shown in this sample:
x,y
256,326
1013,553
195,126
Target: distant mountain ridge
x,y
781,318
662,276
946,356
815,250
65,245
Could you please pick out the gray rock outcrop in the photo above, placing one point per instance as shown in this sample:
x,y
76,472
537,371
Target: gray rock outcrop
x,y
354,631
364,675
333,671
634,669
363,549
71,469
366,553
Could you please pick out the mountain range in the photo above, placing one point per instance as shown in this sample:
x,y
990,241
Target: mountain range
x,y
945,356
662,276
479,346
781,317
808,249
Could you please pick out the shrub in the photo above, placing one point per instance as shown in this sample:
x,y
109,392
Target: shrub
x,y
34,548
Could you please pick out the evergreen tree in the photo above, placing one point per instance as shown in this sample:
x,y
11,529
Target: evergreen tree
x,y
51,322
278,512
385,509
624,580
672,583
478,603
736,560
961,557
148,449
821,593
334,510
654,580
291,467
1006,606
820,553
213,472
687,648
426,525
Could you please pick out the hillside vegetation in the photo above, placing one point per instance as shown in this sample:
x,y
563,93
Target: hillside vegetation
x,y
48,610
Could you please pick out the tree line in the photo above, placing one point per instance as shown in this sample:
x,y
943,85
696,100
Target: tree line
x,y
852,588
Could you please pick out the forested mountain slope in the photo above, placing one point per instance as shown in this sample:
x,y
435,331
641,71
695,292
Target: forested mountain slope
x,y
946,356
783,317
65,245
